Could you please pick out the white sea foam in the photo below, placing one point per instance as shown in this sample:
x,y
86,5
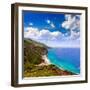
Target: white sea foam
x,y
47,61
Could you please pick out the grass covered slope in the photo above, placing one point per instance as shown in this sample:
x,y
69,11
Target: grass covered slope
x,y
33,52
48,70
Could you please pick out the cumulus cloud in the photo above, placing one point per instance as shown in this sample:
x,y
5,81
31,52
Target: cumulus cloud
x,y
72,23
31,32
43,34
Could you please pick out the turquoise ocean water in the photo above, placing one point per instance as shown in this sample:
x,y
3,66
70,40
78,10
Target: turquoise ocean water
x,y
65,58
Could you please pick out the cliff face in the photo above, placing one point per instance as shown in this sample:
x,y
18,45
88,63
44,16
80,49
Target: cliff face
x,y
33,52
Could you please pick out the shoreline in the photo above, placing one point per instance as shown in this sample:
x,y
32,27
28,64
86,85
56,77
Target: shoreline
x,y
47,61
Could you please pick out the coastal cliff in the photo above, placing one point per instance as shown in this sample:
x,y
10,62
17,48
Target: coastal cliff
x,y
33,52
36,63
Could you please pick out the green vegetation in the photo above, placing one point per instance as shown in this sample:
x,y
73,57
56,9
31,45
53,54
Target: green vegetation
x,y
33,52
49,70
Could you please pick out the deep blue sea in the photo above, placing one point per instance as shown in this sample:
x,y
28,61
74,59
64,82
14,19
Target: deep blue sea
x,y
65,58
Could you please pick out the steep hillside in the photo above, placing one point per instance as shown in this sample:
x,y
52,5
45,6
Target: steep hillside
x,y
33,52
33,67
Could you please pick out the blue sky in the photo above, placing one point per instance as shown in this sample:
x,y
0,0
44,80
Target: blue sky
x,y
39,20
52,28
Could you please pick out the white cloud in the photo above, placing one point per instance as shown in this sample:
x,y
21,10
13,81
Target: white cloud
x,y
73,36
43,34
30,24
56,33
72,23
48,21
52,25
31,32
